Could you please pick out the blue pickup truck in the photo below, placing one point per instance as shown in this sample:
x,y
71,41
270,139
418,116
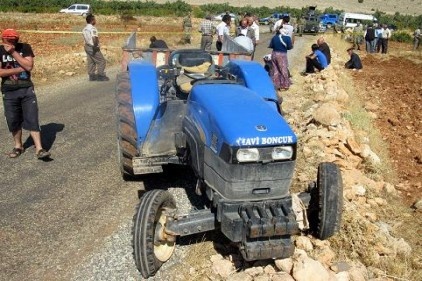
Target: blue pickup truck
x,y
328,20
273,18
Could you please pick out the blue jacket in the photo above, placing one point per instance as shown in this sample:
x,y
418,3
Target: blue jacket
x,y
277,46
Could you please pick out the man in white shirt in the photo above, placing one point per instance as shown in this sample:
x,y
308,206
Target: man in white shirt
x,y
222,28
284,23
96,62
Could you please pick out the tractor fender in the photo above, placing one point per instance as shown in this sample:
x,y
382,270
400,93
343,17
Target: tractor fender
x,y
253,76
145,96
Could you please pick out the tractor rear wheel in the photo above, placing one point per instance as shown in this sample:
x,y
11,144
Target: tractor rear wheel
x,y
325,207
151,245
126,130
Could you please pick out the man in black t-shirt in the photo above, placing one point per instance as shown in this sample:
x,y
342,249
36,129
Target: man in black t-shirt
x,y
370,39
324,48
19,100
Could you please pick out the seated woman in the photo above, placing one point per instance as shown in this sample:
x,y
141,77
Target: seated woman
x,y
354,62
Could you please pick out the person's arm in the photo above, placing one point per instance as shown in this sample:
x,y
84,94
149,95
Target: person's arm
x,y
26,63
10,71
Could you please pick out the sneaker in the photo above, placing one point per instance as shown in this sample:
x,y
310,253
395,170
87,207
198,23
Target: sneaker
x,y
102,78
93,77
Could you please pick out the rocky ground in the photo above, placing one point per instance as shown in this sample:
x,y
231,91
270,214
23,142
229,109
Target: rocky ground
x,y
382,217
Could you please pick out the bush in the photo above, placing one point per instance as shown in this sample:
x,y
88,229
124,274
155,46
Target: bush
x,y
401,36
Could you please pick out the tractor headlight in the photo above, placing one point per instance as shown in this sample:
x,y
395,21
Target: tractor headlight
x,y
282,152
247,155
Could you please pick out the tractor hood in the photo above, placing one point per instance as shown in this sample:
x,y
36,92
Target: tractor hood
x,y
237,116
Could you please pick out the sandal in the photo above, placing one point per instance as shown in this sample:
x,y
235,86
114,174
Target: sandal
x,y
42,154
15,153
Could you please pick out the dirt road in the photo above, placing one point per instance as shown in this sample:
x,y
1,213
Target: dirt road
x,y
70,218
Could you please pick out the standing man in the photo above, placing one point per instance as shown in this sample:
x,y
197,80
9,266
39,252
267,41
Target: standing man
x,y
385,36
187,28
416,38
246,30
252,23
370,39
358,35
222,28
19,100
96,62
207,30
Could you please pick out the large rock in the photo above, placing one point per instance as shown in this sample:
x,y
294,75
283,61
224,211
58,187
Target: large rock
x,y
284,265
327,115
308,269
304,243
223,268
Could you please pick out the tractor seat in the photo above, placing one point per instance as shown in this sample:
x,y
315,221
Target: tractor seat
x,y
194,65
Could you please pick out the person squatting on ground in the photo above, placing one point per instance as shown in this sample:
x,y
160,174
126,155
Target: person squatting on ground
x,y
157,43
19,100
416,38
280,43
324,48
207,30
370,41
316,61
222,28
96,62
354,62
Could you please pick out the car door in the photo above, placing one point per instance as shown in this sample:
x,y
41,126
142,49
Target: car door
x,y
72,9
82,9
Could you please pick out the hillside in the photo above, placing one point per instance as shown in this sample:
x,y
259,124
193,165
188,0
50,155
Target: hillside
x,y
412,7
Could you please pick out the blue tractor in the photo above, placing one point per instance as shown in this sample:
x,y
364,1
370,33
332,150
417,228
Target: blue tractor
x,y
217,113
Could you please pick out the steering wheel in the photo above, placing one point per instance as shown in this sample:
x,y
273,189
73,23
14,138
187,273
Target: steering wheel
x,y
198,76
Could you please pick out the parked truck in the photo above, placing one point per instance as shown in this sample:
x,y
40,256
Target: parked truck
x,y
218,114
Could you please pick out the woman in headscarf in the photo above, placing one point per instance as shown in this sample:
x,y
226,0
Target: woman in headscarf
x,y
280,43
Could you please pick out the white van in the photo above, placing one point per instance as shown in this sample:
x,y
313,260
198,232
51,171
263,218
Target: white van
x,y
78,9
350,20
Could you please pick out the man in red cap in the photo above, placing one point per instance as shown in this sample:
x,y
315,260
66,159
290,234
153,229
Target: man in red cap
x,y
19,100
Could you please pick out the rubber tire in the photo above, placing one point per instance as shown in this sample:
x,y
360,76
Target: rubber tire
x,y
126,129
143,230
326,204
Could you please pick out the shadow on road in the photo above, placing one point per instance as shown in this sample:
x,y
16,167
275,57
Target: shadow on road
x,y
48,135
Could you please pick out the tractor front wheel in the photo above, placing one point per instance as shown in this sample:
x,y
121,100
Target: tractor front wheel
x,y
151,245
325,206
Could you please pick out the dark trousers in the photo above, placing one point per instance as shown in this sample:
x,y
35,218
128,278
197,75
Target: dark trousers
x,y
21,109
312,64
384,45
219,45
